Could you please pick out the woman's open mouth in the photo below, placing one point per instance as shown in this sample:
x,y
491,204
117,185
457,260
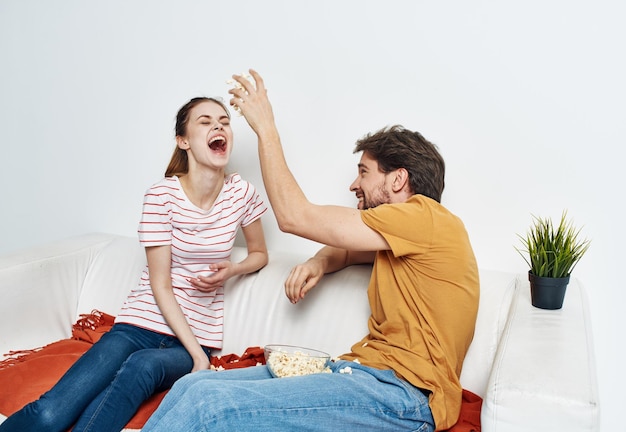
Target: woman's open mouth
x,y
218,144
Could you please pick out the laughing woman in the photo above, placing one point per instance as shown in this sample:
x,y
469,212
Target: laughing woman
x,y
173,318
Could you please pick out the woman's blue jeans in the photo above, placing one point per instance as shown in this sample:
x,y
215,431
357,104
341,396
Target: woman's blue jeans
x,y
107,384
250,399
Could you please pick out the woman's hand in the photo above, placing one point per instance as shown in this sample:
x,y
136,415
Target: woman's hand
x,y
222,271
201,363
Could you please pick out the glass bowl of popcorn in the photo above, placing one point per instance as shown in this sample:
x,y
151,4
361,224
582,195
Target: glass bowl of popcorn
x,y
290,360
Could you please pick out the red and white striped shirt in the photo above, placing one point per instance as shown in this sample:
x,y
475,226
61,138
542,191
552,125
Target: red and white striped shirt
x,y
197,237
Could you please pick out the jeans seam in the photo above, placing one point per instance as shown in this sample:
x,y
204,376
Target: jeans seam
x,y
98,409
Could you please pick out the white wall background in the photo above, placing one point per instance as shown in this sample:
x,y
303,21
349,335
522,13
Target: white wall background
x,y
524,99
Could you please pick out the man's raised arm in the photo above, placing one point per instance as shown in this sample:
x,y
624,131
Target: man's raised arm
x,y
330,225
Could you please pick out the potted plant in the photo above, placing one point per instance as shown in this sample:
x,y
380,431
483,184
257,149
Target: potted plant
x,y
551,253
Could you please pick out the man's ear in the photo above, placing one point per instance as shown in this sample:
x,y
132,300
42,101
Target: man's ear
x,y
400,180
182,143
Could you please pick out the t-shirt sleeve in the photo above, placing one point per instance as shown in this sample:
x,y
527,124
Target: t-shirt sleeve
x,y
155,225
391,221
255,207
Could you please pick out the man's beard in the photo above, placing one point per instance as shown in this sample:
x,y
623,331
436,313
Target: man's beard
x,y
381,196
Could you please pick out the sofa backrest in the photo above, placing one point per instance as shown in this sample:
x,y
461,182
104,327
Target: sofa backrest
x,y
334,314
43,288
113,272
331,318
496,293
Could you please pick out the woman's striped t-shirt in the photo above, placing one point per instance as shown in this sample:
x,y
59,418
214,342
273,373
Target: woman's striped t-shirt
x,y
197,237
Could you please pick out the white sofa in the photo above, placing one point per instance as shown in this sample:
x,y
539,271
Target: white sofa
x,y
533,368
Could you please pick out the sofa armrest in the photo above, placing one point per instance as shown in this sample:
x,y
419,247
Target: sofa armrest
x,y
543,377
40,288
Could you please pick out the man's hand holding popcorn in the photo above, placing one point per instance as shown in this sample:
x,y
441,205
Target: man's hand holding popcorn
x,y
250,99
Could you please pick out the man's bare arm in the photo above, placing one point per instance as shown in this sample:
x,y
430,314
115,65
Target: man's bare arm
x,y
336,226
305,276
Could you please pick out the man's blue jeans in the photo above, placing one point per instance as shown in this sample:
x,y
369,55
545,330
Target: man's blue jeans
x,y
106,386
250,399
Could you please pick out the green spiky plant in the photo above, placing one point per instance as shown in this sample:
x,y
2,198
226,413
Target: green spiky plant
x,y
552,252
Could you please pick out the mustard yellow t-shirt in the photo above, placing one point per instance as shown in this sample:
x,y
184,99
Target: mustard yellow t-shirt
x,y
424,299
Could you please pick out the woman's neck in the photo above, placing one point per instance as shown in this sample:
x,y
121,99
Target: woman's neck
x,y
202,189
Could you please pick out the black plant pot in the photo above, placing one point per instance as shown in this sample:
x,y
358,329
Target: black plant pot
x,y
547,292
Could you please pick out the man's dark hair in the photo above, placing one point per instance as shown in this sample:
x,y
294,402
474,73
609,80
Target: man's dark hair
x,y
396,147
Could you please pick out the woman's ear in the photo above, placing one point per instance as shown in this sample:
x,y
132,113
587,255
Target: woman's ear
x,y
182,143
400,180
